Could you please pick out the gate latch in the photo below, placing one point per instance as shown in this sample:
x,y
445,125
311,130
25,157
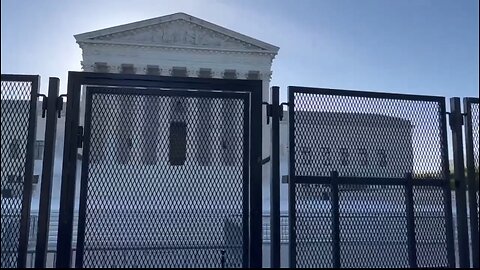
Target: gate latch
x,y
60,105
270,108
44,104
80,137
269,111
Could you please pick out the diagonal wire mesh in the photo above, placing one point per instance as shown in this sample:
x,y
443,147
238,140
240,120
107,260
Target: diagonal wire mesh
x,y
430,228
365,137
15,103
373,227
165,184
474,108
313,226
472,158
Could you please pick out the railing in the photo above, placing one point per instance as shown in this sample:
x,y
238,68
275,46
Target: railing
x,y
52,253
283,229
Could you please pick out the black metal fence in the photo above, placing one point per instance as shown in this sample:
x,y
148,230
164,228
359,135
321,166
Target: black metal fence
x,y
170,176
471,108
19,95
159,211
369,180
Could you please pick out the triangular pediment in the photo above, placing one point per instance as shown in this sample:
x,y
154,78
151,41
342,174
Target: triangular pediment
x,y
177,30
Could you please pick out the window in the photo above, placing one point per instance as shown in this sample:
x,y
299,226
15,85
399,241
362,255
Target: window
x,y
326,157
153,70
123,149
345,156
305,155
124,136
382,157
179,71
178,133
230,74
253,75
203,140
178,143
228,141
14,149
205,73
150,135
12,179
7,194
38,150
128,69
363,156
101,67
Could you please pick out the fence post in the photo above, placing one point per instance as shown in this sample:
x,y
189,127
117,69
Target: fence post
x,y
456,123
28,173
69,167
222,258
47,174
472,177
335,220
275,181
292,236
412,245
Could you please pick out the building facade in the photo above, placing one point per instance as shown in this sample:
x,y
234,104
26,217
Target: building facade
x,y
185,46
182,45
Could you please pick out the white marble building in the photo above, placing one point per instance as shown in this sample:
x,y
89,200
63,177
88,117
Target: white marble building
x,y
182,45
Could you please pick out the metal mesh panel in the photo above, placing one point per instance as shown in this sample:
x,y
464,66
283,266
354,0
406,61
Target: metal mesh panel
x,y
373,226
313,226
474,107
382,137
430,226
15,98
145,211
472,158
373,141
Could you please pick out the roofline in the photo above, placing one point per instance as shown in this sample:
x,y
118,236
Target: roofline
x,y
176,16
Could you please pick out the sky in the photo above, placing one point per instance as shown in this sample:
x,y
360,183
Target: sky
x,y
427,47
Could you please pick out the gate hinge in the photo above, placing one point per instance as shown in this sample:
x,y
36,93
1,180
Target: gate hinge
x,y
79,136
60,105
269,108
455,119
281,109
44,104
269,111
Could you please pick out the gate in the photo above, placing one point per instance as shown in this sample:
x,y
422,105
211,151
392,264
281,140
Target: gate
x,y
471,107
170,172
369,180
19,95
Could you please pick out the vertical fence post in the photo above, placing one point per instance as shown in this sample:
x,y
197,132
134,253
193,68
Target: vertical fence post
x,y
412,245
456,123
275,182
447,189
28,175
335,220
69,168
222,258
47,174
292,236
472,179
256,232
